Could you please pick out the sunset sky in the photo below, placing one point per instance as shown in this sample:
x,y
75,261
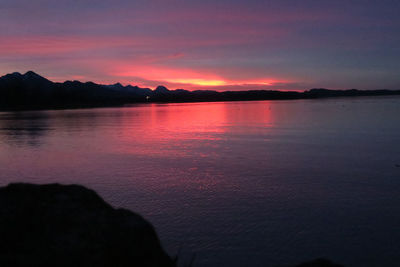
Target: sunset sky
x,y
218,44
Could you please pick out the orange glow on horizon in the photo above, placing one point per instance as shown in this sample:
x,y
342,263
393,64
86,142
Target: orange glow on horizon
x,y
200,82
187,77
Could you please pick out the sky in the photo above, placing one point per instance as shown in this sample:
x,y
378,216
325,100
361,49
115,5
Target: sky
x,y
216,45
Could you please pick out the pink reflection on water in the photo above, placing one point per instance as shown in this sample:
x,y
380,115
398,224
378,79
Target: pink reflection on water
x,y
178,128
157,146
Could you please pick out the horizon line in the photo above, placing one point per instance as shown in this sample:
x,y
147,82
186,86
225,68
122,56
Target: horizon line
x,y
193,90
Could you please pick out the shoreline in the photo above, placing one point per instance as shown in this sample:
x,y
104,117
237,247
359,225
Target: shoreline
x,y
131,104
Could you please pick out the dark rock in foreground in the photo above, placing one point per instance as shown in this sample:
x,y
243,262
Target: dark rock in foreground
x,y
319,263
58,225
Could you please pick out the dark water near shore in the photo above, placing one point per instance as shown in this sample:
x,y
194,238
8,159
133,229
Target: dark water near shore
x,y
239,184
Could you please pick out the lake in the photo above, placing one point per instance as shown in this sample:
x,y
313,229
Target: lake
x,y
263,183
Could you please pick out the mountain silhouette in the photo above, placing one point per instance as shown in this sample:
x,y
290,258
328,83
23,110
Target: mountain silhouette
x,y
32,91
161,90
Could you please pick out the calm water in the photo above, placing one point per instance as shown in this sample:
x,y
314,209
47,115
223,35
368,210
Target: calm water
x,y
238,184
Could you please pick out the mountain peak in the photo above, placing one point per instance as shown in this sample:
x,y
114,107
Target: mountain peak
x,y
161,89
13,75
16,74
118,84
32,74
27,76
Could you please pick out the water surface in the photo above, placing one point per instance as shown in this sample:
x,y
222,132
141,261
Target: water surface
x,y
237,183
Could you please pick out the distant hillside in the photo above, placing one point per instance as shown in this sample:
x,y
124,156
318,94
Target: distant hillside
x,y
32,91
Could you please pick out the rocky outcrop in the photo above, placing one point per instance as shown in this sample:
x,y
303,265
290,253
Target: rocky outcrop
x,y
59,225
319,263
